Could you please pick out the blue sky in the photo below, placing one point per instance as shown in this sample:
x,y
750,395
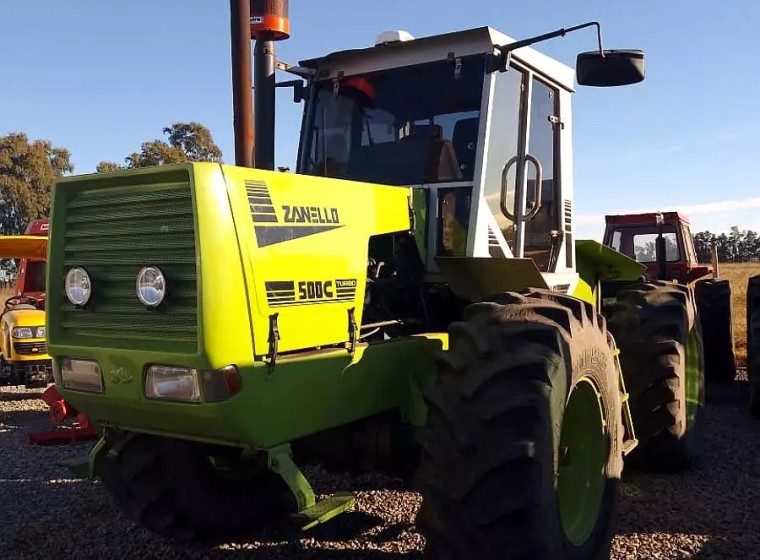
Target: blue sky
x,y
102,77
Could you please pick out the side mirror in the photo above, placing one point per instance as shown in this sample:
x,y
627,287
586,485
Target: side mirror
x,y
610,69
299,89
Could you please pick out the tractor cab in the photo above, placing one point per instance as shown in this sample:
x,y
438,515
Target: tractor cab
x,y
478,127
660,241
31,276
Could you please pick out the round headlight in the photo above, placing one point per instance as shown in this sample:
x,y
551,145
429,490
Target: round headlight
x,y
78,286
151,286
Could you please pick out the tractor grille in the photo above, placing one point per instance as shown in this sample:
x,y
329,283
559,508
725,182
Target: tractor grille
x,y
113,233
27,348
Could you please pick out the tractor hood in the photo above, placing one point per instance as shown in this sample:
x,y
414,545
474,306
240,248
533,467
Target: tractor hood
x,y
25,318
23,247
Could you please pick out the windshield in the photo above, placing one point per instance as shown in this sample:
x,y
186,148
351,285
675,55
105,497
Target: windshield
x,y
34,280
640,243
404,126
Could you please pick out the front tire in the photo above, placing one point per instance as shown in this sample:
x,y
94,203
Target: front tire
x,y
661,348
517,459
753,344
171,488
714,306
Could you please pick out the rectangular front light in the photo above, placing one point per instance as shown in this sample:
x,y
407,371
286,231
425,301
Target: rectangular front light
x,y
22,333
81,375
172,383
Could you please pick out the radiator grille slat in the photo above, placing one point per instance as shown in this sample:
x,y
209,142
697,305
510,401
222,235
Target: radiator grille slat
x,y
114,232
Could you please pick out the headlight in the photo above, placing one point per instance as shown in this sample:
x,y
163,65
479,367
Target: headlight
x,y
22,332
81,375
78,286
151,286
40,332
176,383
172,383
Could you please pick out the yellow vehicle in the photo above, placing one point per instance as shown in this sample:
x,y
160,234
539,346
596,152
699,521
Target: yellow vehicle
x,y
23,348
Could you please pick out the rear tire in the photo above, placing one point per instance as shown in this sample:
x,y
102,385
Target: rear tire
x,y
661,349
519,373
753,344
714,306
170,487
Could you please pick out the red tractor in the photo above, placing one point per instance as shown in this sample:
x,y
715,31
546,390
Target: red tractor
x,y
31,271
663,242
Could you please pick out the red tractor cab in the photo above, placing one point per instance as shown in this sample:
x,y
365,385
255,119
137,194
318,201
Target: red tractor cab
x,y
662,241
641,236
31,275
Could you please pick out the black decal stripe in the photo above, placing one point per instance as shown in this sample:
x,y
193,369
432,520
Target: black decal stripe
x,y
312,302
280,285
265,218
262,209
271,235
260,200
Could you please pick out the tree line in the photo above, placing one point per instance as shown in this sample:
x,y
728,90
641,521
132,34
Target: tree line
x,y
28,168
735,246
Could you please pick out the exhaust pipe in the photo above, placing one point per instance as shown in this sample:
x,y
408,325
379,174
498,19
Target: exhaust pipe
x,y
264,21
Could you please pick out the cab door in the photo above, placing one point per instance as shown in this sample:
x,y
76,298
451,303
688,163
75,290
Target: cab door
x,y
521,184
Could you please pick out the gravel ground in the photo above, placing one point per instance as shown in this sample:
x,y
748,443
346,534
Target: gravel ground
x,y
709,513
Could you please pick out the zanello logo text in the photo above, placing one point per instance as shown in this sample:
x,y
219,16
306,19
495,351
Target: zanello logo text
x,y
293,222
310,215
304,292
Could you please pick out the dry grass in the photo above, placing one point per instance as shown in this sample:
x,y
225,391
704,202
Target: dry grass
x,y
5,293
738,275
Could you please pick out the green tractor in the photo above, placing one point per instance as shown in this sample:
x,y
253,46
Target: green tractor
x,y
410,301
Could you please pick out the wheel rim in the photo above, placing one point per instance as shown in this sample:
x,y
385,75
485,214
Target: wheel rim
x,y
693,379
584,447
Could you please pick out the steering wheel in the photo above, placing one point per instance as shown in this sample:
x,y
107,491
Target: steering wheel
x,y
21,300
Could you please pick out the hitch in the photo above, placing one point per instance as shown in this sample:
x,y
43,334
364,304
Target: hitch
x,y
60,411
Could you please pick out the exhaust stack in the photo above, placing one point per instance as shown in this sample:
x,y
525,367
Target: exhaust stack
x,y
242,96
263,21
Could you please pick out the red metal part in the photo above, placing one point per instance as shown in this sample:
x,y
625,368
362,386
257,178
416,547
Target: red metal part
x,y
68,434
60,411
31,273
648,219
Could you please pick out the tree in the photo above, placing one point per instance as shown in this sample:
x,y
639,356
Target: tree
x,y
106,166
187,142
27,173
703,244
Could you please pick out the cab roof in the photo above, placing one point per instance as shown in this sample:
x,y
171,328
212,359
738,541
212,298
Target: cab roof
x,y
649,218
23,247
437,47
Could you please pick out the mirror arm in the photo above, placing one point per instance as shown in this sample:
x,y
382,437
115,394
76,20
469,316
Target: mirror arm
x,y
298,89
506,49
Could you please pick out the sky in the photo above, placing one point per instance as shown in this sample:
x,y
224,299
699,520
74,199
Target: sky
x,y
100,78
